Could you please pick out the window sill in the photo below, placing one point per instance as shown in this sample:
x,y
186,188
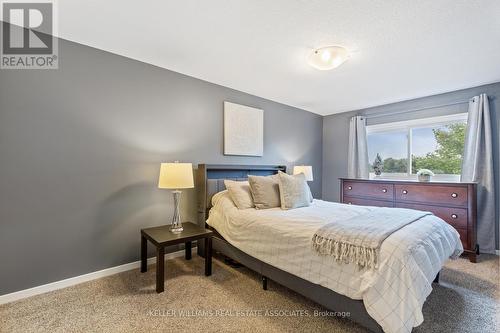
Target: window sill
x,y
414,178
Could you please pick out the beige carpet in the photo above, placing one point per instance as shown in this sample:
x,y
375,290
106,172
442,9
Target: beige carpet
x,y
467,300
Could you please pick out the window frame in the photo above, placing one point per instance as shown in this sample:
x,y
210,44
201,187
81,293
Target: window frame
x,y
408,126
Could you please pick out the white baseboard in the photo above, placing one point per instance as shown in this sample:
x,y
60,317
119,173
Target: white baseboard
x,y
7,298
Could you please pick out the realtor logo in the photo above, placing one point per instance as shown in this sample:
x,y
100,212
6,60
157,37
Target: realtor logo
x,y
27,35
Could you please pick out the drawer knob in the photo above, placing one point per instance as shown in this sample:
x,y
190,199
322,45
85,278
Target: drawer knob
x,y
384,190
405,192
454,216
349,187
454,195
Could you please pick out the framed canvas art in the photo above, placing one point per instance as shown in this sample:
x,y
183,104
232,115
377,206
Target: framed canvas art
x,y
243,130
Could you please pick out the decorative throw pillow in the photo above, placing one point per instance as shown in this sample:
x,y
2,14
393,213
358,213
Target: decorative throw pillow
x,y
239,191
265,191
294,191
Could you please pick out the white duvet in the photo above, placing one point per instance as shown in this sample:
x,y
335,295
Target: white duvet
x,y
393,294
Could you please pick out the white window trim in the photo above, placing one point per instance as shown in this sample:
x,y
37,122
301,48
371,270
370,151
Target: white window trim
x,y
423,122
413,177
408,125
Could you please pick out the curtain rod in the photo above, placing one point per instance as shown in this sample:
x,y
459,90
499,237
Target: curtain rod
x,y
376,115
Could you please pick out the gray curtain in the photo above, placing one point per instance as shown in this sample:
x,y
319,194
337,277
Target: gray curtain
x,y
358,149
477,166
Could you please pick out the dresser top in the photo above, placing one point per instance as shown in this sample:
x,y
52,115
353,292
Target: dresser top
x,y
407,181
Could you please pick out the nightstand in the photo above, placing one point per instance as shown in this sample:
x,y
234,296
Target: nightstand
x,y
162,237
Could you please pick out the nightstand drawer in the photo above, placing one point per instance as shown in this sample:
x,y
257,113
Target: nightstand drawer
x,y
375,190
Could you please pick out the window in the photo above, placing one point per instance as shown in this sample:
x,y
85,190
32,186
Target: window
x,y
403,148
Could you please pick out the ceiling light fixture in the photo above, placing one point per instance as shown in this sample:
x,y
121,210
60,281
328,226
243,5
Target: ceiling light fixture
x,y
328,57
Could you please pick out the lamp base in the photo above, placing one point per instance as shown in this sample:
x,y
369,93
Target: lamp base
x,y
176,226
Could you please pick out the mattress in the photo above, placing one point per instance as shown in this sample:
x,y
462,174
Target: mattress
x,y
393,294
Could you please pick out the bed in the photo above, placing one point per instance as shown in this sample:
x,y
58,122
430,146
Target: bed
x,y
277,244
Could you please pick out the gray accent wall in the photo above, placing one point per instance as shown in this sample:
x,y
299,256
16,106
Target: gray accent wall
x,y
80,150
336,131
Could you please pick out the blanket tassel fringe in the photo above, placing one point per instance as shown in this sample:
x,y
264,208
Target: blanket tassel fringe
x,y
347,253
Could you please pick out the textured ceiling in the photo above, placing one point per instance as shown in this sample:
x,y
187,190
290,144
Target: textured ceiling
x,y
402,49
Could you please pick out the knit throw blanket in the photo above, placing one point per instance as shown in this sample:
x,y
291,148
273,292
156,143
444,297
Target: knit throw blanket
x,y
358,239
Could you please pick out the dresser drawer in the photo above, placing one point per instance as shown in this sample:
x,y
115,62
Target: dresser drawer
x,y
464,237
455,203
375,190
442,195
366,202
457,217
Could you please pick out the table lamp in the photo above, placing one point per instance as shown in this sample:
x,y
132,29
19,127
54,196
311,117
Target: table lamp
x,y
306,170
176,176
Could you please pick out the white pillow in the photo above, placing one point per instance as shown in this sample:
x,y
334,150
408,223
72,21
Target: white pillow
x,y
310,193
240,193
294,191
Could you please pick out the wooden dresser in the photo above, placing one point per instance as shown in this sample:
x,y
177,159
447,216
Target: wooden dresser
x,y
455,203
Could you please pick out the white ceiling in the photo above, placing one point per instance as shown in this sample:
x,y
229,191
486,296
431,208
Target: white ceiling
x,y
402,49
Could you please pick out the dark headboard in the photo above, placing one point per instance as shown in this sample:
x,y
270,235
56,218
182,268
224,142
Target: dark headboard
x,y
210,180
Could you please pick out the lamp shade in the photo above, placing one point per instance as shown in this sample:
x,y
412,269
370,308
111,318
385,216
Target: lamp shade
x,y
176,175
305,169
